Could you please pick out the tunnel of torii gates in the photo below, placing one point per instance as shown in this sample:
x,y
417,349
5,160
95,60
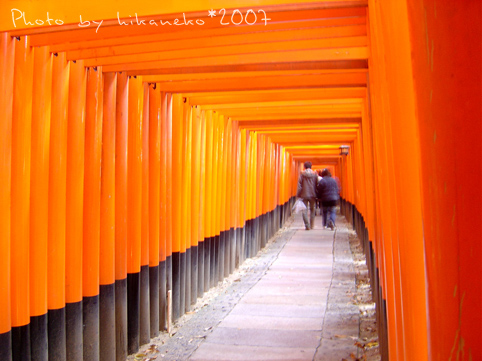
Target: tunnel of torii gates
x,y
148,154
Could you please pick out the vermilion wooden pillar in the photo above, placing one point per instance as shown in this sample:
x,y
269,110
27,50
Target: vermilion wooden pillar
x,y
91,215
446,66
208,206
57,207
229,206
202,207
155,207
242,193
144,314
167,99
20,201
186,208
177,163
165,222
107,248
7,48
134,210
221,165
42,84
407,233
74,209
121,147
196,214
214,199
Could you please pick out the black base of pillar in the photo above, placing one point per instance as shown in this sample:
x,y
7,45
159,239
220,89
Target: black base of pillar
x,y
215,259
154,301
194,274
176,285
187,287
162,296
73,331
121,319
57,338
133,311
232,250
239,244
144,306
6,346
222,255
21,343
207,263
200,276
182,293
263,234
169,273
107,322
38,338
91,334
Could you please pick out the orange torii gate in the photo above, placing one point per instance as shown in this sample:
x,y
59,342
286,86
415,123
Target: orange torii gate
x,y
151,148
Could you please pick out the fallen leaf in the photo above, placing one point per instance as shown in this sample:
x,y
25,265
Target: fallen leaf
x,y
152,349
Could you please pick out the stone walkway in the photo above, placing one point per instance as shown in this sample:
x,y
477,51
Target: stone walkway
x,y
296,300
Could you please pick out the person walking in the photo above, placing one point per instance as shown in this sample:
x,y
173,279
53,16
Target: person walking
x,y
307,191
327,190
318,200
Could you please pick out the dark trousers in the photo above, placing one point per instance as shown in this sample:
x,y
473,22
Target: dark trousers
x,y
329,213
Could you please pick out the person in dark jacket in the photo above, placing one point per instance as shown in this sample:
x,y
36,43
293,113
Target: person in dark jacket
x,y
328,192
307,191
318,200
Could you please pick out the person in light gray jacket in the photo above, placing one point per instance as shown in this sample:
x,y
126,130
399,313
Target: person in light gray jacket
x,y
307,191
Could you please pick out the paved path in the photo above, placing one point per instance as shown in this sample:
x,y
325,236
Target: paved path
x,y
285,315
294,301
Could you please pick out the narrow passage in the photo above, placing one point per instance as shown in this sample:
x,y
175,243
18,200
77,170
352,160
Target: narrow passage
x,y
298,299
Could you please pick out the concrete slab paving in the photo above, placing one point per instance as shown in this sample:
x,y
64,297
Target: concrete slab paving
x,y
298,299
217,352
269,323
294,302
277,310
283,285
285,309
303,266
301,277
265,337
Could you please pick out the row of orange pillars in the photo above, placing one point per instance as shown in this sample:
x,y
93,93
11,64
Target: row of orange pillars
x,y
116,188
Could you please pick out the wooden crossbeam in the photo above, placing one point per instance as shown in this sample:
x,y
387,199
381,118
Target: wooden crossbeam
x,y
157,52
186,33
239,97
152,67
